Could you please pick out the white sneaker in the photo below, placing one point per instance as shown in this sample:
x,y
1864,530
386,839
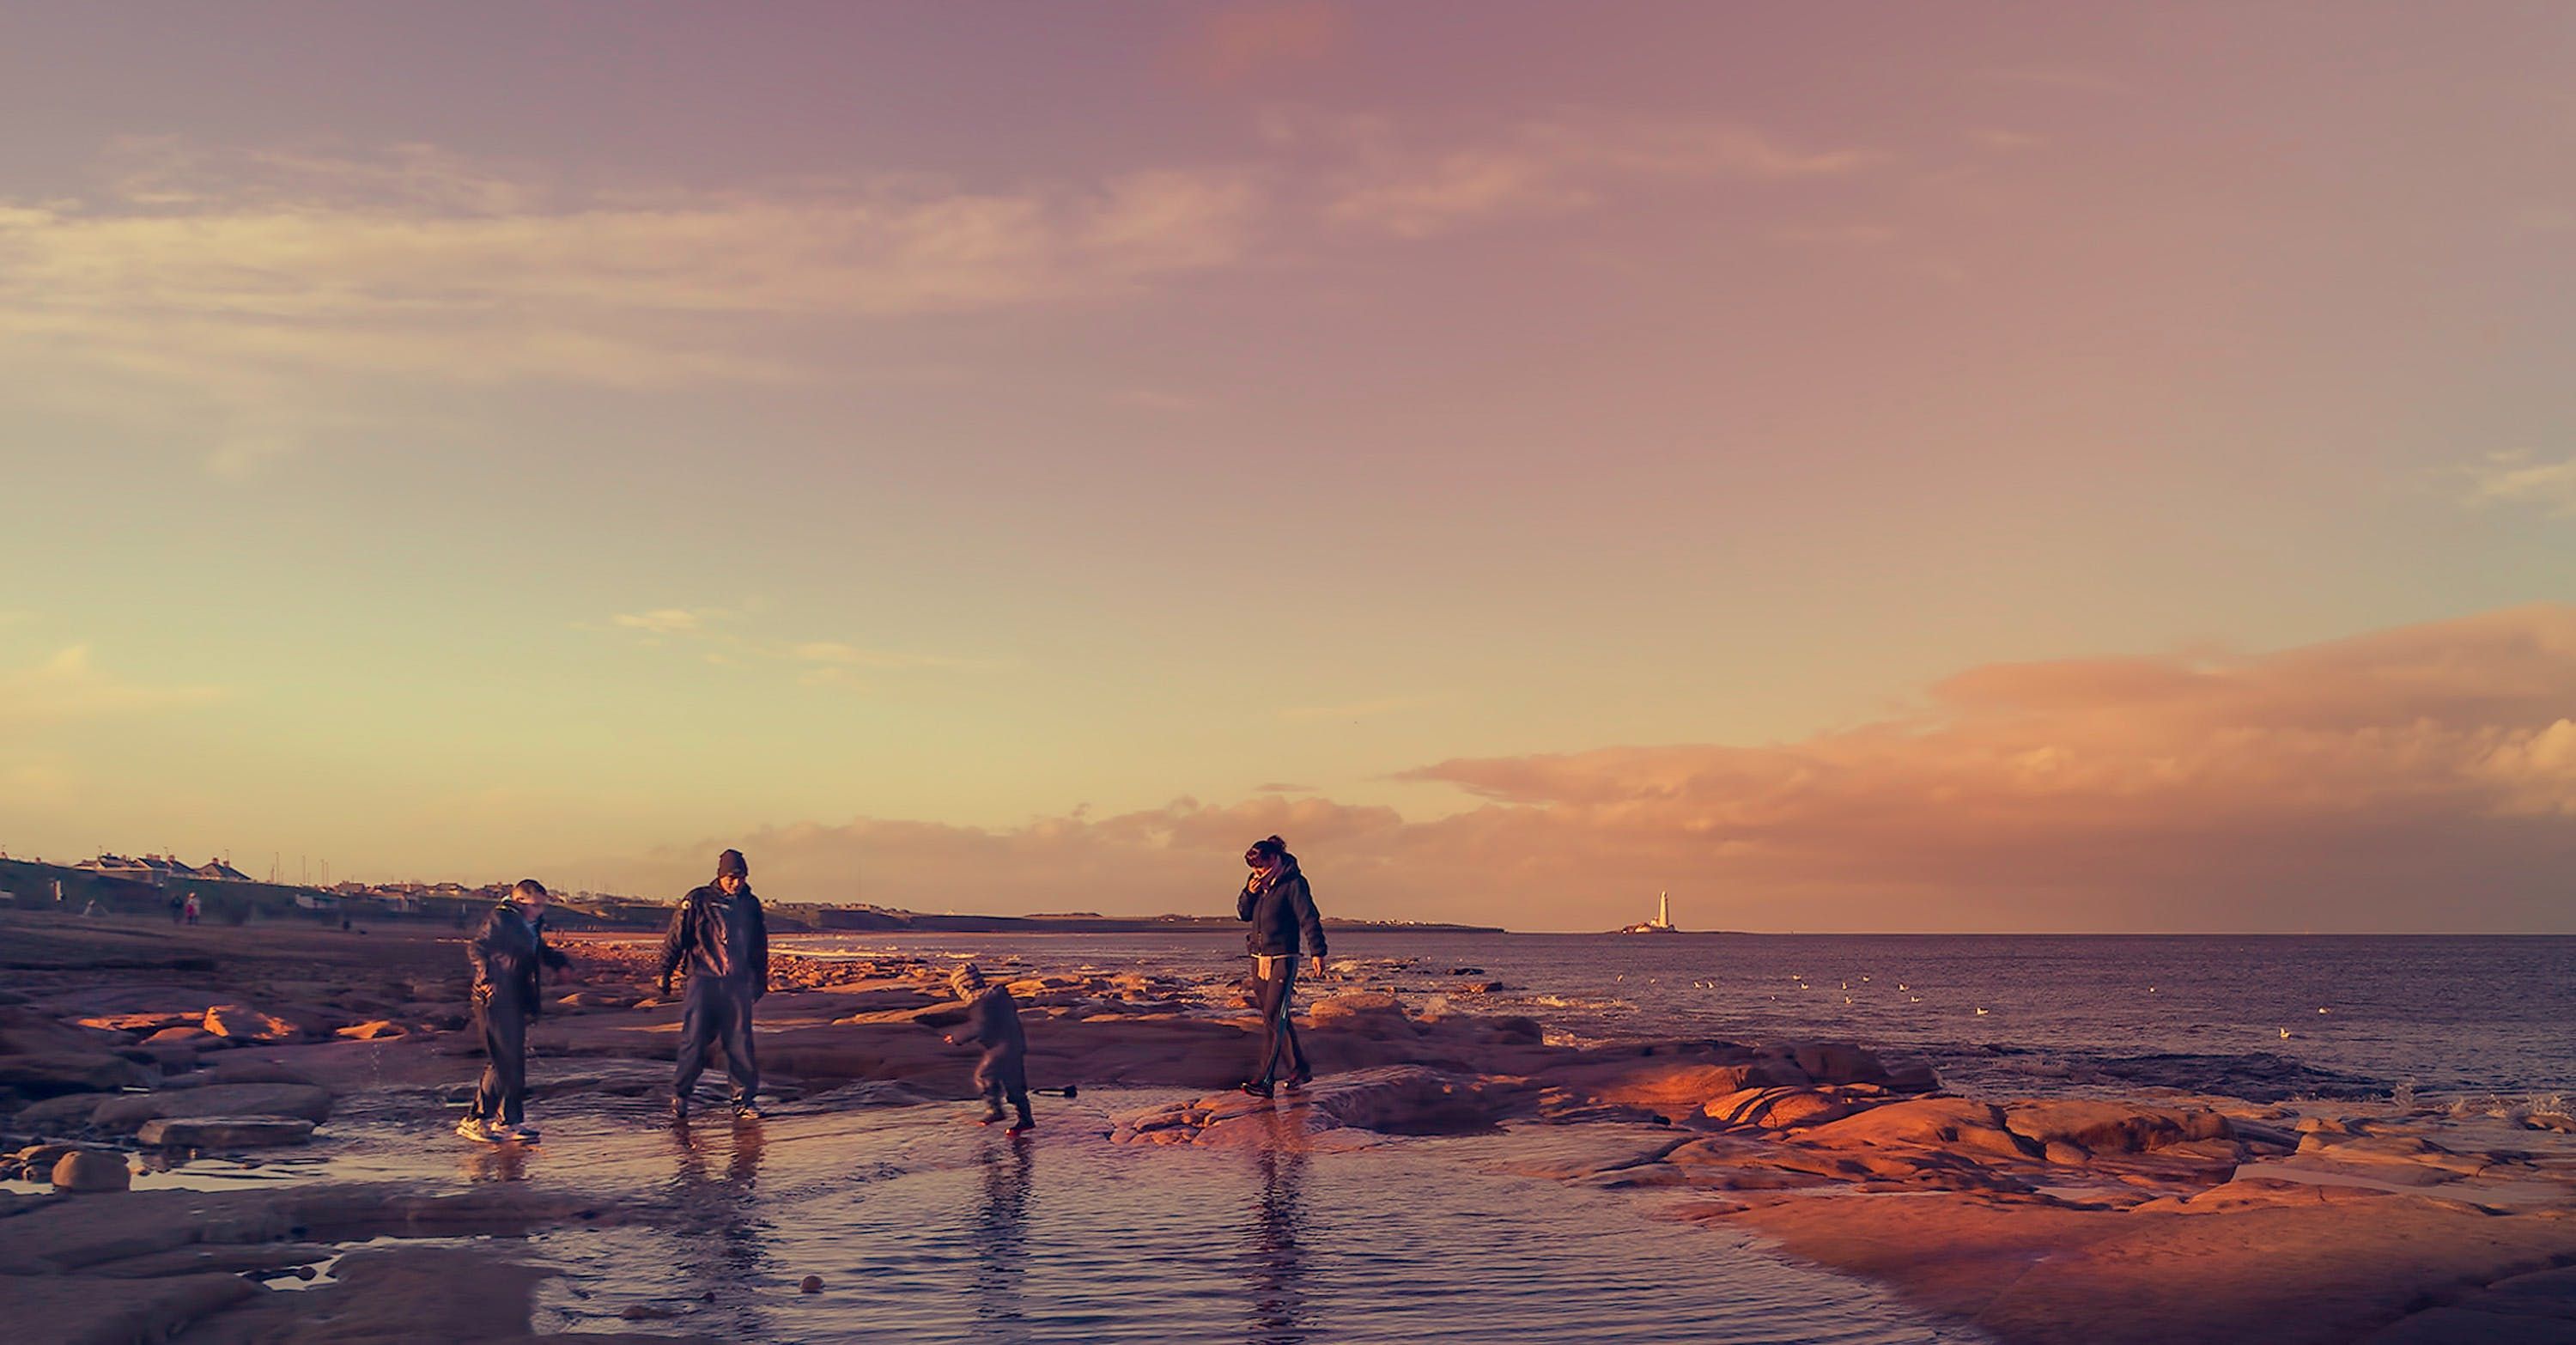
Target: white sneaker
x,y
476,1128
519,1134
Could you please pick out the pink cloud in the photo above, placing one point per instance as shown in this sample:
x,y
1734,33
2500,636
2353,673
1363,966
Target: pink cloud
x,y
2416,778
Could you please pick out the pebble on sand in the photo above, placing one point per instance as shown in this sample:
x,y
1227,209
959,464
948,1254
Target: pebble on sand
x,y
811,1284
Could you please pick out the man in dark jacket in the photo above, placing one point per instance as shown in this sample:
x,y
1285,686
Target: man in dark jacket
x,y
1281,907
993,1022
506,954
720,933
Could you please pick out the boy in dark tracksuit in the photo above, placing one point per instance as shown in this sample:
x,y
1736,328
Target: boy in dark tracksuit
x,y
993,1021
720,932
1281,909
506,954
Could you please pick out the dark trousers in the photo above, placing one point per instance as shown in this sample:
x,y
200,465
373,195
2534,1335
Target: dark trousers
x,y
1004,1073
715,1013
503,1021
1280,1056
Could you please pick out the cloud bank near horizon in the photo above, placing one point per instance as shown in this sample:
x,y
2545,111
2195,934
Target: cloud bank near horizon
x,y
2416,778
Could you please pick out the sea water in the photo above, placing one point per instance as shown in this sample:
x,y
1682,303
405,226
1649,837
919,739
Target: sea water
x,y
2254,1016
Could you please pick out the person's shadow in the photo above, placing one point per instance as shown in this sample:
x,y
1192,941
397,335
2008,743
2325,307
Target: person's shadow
x,y
722,1256
1000,1236
1275,1257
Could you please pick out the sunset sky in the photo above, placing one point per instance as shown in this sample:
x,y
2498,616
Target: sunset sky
x,y
1881,467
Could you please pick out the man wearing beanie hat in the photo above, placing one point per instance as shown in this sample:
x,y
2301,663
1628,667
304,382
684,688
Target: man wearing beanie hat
x,y
720,933
993,1022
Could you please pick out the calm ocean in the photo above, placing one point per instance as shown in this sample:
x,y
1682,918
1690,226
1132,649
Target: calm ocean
x,y
2364,1015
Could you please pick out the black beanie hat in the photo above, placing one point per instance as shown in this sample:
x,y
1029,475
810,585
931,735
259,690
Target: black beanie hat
x,y
1271,846
731,862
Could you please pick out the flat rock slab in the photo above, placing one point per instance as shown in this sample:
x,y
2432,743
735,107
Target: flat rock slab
x,y
226,1132
217,1099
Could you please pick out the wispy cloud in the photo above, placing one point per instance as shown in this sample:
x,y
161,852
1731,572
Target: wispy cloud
x,y
68,687
823,662
668,620
262,298
1352,710
1570,161
245,278
2519,479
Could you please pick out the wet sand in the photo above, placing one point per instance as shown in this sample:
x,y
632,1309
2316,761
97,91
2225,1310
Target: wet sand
x,y
2159,1217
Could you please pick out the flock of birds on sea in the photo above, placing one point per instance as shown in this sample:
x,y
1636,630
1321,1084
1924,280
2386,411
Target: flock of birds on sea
x,y
1800,980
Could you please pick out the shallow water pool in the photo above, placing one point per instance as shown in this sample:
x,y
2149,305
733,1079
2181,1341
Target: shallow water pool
x,y
924,1227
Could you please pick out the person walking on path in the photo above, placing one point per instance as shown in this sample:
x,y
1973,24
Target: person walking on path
x,y
1281,909
507,954
189,911
993,1022
720,933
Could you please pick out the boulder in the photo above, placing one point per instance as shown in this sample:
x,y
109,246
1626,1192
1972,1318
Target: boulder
x,y
2110,1127
226,1132
1370,1013
1672,1086
1839,1062
182,1036
92,1170
1405,1100
1776,1108
1935,1123
218,1099
242,1022
55,1073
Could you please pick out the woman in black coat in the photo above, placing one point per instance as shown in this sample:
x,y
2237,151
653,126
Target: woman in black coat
x,y
1281,909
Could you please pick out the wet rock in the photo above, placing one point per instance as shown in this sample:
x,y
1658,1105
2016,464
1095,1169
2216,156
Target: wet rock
x,y
1407,1100
42,1157
244,1023
53,1074
54,1115
373,1030
811,1284
90,1170
256,1071
244,1099
226,1132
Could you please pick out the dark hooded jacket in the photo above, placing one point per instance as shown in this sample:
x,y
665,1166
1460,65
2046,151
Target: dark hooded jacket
x,y
506,953
993,1022
721,938
1282,912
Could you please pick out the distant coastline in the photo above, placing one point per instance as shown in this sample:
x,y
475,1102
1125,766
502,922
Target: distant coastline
x,y
32,886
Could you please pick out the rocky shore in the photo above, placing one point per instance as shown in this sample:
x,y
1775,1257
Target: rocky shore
x,y
130,1051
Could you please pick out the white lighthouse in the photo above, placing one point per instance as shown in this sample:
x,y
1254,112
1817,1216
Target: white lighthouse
x,y
1663,921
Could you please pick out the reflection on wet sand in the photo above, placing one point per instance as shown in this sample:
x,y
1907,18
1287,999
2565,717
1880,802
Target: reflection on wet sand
x,y
723,1254
494,1163
1275,1260
1000,1237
